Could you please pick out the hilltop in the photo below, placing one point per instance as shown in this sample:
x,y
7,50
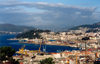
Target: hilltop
x,y
32,34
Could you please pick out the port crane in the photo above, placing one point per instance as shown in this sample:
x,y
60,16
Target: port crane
x,y
44,50
22,51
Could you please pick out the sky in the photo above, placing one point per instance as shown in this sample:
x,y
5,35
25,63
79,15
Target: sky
x,y
49,13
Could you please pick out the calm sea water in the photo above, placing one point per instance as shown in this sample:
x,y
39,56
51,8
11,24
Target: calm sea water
x,y
16,45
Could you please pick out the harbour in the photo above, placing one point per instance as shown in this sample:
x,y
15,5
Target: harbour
x,y
16,45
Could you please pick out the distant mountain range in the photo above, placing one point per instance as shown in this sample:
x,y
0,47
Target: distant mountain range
x,y
91,27
95,25
18,28
58,28
14,28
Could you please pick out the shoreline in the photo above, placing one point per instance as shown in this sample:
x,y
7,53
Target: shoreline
x,y
50,44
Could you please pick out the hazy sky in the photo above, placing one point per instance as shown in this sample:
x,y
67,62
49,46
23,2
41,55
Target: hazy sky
x,y
49,12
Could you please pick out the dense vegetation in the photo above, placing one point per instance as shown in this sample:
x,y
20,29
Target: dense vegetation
x,y
6,53
32,34
47,61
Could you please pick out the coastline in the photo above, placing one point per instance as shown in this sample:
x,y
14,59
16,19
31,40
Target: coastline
x,y
51,44
14,39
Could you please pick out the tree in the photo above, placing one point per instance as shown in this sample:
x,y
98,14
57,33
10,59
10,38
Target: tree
x,y
6,53
47,61
85,38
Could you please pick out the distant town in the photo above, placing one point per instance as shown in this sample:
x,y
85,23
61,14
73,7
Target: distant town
x,y
49,31
88,44
84,39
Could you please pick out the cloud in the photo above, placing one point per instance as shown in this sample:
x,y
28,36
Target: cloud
x,y
57,15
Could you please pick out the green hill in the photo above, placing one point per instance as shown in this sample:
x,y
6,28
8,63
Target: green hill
x,y
32,34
